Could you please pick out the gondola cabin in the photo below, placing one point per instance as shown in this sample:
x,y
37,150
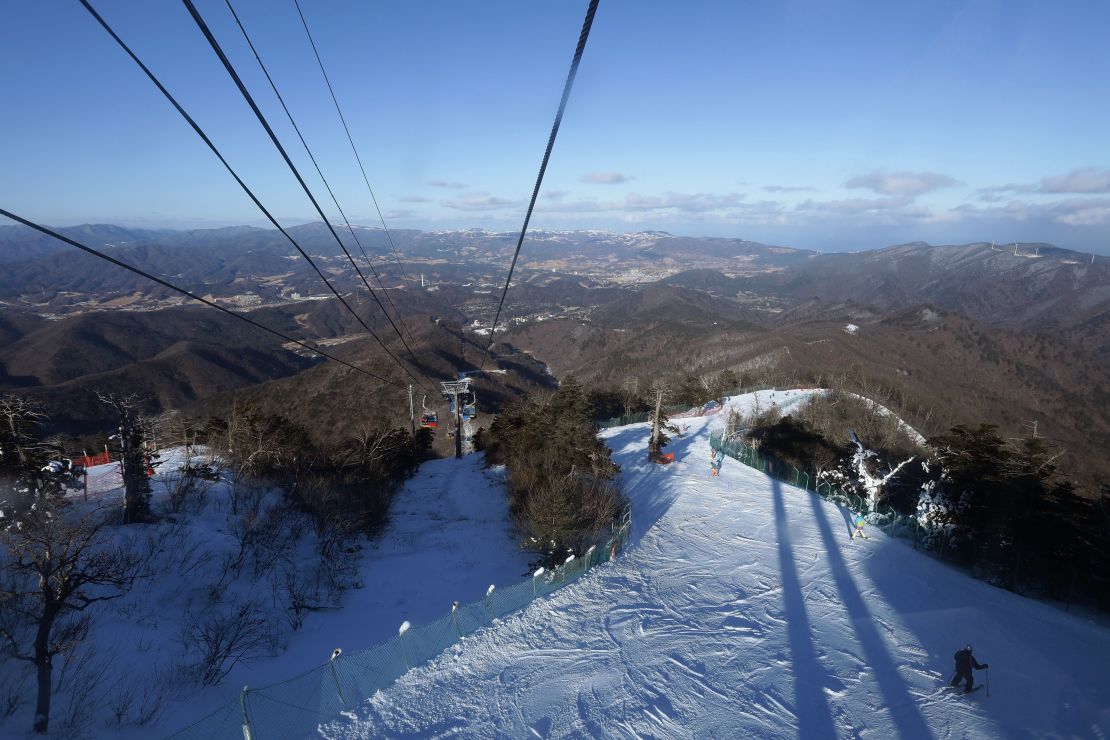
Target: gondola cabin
x,y
429,421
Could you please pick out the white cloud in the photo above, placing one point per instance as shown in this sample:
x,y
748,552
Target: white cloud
x,y
1082,180
480,202
604,178
447,184
688,202
900,183
997,193
1086,180
788,188
1069,212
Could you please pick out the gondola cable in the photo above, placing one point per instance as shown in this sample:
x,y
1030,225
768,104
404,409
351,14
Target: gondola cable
x,y
230,68
315,164
166,284
354,149
583,36
215,150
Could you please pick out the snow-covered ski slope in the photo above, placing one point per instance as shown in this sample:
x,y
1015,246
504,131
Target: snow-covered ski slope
x,y
743,609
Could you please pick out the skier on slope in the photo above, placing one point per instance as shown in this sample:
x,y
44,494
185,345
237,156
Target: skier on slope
x,y
858,521
965,661
717,459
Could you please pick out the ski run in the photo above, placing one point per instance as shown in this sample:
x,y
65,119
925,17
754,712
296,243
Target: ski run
x,y
741,608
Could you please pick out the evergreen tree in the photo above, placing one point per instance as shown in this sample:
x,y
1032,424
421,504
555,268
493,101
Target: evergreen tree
x,y
559,472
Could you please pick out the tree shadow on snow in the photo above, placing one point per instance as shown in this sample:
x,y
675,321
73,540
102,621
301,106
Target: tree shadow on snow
x,y
1051,667
651,501
846,513
896,695
810,677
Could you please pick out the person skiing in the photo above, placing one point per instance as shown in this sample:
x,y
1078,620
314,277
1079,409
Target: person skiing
x,y
717,458
859,521
965,661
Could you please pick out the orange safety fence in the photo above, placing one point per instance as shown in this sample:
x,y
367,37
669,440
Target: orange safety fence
x,y
90,460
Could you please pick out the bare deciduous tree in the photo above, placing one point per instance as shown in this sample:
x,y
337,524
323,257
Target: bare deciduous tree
x,y
227,639
630,395
54,568
22,453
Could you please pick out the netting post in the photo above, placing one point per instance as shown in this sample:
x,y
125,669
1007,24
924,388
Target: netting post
x,y
248,734
489,599
334,677
401,636
455,618
589,557
535,576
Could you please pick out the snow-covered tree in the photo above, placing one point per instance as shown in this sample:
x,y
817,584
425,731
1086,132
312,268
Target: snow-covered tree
x,y
660,424
873,475
134,456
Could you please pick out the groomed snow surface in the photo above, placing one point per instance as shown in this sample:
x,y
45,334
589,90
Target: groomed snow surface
x,y
743,609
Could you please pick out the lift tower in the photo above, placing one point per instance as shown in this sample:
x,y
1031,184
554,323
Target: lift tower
x,y
453,389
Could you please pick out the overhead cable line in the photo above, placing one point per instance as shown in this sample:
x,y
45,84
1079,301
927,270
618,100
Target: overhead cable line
x,y
315,164
343,119
204,137
188,294
586,25
289,162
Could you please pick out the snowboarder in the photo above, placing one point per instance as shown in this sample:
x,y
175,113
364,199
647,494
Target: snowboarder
x,y
717,458
859,521
965,661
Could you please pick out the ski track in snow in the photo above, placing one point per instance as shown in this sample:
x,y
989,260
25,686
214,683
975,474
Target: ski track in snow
x,y
743,609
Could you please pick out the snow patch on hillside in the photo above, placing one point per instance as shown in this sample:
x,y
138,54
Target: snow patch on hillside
x,y
449,538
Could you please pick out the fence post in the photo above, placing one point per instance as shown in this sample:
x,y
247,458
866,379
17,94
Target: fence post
x,y
488,599
535,590
455,618
589,557
335,678
248,734
401,636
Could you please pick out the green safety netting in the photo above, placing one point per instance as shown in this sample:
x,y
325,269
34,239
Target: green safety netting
x,y
620,421
295,707
886,518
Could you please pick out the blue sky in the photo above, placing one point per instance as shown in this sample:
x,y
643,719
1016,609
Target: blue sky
x,y
831,124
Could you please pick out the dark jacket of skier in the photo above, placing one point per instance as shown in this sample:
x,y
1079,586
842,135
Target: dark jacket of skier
x,y
965,661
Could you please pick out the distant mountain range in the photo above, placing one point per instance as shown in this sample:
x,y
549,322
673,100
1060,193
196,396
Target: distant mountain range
x,y
966,333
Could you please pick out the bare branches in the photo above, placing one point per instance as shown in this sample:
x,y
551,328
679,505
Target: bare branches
x,y
55,567
225,640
